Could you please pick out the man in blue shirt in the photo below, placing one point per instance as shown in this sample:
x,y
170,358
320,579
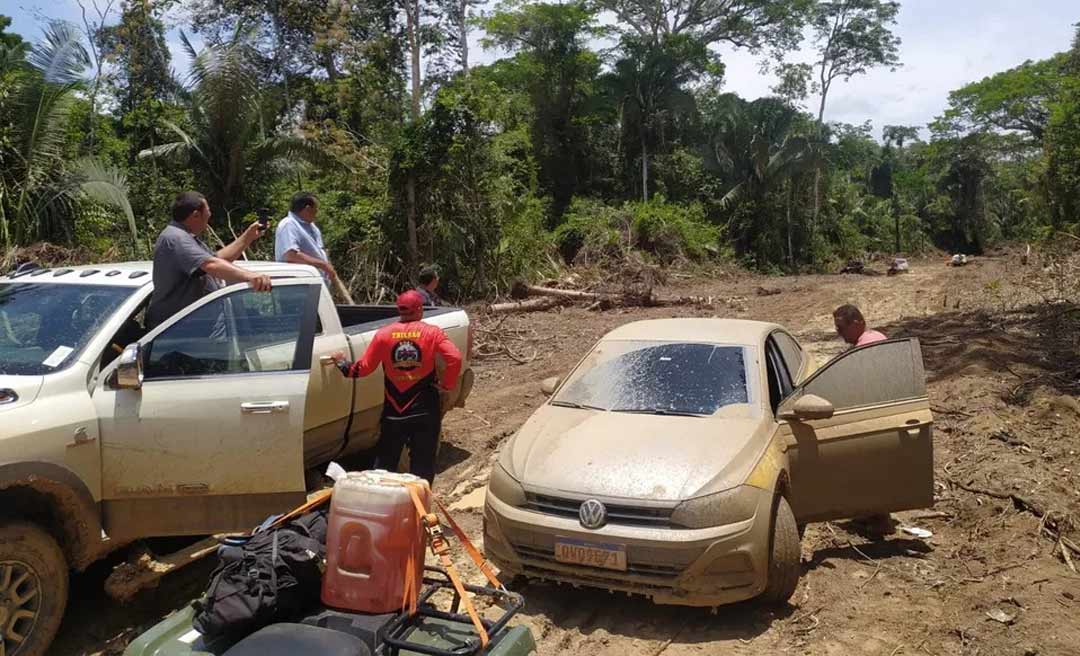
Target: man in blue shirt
x,y
299,241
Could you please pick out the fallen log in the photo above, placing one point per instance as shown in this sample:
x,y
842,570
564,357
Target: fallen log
x,y
531,305
571,294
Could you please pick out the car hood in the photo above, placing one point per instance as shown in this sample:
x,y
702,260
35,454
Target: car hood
x,y
634,456
26,387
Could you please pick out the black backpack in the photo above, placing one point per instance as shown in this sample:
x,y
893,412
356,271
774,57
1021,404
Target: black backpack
x,y
273,575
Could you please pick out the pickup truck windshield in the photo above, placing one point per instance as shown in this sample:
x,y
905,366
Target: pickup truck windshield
x,y
44,326
658,378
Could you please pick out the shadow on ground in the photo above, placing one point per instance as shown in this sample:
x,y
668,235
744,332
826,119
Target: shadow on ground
x,y
1036,345
870,552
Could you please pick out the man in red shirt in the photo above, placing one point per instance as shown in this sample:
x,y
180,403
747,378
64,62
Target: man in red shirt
x,y
412,412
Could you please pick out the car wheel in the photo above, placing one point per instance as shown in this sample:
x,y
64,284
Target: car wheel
x,y
784,555
33,589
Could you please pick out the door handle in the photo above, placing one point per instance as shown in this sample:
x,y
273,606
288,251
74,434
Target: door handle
x,y
263,407
326,360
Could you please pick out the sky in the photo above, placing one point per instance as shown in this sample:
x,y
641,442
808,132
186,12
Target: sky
x,y
945,44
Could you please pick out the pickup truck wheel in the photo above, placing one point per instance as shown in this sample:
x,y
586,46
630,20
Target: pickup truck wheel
x,y
784,555
33,589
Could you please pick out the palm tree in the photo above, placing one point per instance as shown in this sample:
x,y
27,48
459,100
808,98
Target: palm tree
x,y
40,190
649,84
753,148
228,141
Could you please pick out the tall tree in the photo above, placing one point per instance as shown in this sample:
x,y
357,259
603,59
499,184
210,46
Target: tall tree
x,y
141,76
898,135
1016,100
553,65
229,143
1062,141
649,84
412,21
10,40
667,42
93,25
750,24
757,150
852,37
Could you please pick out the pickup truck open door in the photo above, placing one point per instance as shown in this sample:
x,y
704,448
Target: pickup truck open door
x,y
873,452
209,437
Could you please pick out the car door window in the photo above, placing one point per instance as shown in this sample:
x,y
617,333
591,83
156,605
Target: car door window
x,y
883,372
244,332
790,351
780,385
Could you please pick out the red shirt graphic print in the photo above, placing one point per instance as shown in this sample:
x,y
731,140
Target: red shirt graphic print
x,y
407,352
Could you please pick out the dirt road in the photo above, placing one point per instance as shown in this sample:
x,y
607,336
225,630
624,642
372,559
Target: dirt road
x,y
1001,383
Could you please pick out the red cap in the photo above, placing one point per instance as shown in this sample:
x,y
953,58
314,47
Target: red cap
x,y
410,305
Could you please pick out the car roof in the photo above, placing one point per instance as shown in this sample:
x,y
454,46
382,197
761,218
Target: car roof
x,y
721,331
136,274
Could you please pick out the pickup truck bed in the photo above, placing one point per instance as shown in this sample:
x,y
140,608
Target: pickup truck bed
x,y
356,319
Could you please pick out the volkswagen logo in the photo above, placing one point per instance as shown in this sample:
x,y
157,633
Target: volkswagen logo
x,y
592,514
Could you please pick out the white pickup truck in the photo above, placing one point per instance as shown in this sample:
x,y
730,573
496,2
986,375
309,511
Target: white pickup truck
x,y
205,424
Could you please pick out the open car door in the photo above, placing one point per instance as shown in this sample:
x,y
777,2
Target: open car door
x,y
859,435
210,438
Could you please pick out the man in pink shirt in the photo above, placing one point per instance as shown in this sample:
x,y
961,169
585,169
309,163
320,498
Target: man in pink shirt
x,y
851,326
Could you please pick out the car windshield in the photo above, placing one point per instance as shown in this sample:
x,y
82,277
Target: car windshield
x,y
658,378
44,326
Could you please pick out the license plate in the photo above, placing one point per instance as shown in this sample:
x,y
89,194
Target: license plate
x,y
576,552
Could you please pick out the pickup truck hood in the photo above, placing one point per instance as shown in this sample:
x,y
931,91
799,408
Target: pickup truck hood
x,y
633,456
26,387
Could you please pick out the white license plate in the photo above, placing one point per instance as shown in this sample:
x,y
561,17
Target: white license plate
x,y
577,552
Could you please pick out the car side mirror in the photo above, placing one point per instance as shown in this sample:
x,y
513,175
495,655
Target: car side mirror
x,y
808,407
129,368
549,385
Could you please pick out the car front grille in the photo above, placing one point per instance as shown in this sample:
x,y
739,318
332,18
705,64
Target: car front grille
x,y
616,513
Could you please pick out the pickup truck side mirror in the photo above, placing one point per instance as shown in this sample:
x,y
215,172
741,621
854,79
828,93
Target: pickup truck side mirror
x,y
807,407
549,385
129,369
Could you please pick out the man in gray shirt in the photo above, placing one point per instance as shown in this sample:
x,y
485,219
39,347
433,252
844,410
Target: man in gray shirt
x,y
299,241
185,270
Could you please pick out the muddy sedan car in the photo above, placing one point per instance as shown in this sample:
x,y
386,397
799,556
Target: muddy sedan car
x,y
681,457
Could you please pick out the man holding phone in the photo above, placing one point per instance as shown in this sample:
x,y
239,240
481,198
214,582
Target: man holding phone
x,y
299,241
185,270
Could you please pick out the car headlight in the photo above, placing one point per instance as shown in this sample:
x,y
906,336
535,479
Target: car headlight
x,y
505,488
727,507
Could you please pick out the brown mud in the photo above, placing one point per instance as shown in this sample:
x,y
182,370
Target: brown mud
x,y
1002,368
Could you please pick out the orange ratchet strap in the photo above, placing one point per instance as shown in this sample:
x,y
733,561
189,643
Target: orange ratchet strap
x,y
441,549
473,552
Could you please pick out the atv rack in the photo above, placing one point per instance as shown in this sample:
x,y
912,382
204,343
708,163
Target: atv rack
x,y
396,637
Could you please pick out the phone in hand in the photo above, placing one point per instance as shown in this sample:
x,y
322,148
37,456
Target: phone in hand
x,y
263,215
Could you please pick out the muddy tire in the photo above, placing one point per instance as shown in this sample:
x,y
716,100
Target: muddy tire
x,y
785,554
33,589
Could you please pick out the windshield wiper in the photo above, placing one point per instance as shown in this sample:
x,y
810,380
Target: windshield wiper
x,y
580,406
659,411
